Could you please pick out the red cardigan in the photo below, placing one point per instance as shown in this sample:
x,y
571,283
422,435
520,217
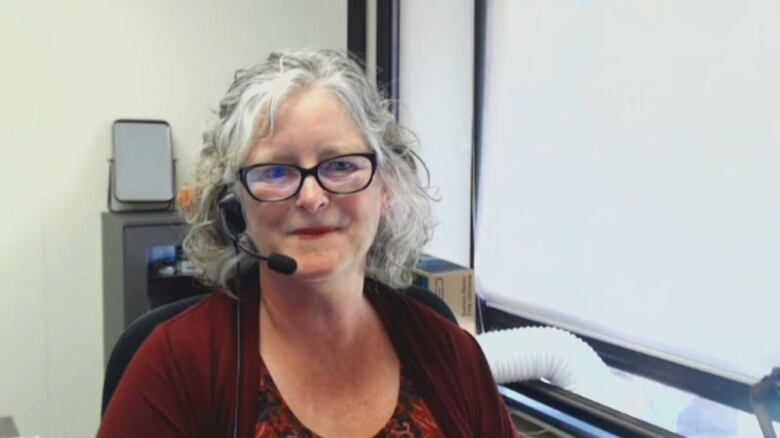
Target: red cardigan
x,y
182,381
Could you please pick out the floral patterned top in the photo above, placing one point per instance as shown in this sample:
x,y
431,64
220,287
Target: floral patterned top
x,y
411,418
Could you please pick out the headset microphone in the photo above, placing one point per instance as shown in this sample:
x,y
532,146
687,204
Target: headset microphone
x,y
234,224
276,262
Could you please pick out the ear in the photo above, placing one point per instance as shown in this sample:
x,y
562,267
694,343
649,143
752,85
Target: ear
x,y
231,215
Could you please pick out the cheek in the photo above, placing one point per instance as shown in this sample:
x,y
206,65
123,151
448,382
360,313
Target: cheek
x,y
261,218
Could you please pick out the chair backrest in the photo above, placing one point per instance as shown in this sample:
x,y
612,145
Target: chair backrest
x,y
137,332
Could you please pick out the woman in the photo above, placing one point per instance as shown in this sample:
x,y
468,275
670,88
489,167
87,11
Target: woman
x,y
307,163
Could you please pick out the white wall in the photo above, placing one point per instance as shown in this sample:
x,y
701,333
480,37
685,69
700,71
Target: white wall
x,y
436,77
68,72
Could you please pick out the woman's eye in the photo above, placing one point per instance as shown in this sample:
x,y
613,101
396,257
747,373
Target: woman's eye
x,y
340,166
275,173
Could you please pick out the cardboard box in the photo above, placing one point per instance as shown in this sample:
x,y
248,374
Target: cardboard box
x,y
452,283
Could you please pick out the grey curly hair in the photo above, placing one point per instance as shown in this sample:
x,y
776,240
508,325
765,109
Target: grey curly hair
x,y
256,96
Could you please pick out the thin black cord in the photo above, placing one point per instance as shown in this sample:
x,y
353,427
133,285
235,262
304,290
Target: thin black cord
x,y
238,347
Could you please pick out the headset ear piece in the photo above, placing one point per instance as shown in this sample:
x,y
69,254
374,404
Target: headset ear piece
x,y
232,216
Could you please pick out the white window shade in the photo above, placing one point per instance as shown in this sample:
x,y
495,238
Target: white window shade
x,y
630,174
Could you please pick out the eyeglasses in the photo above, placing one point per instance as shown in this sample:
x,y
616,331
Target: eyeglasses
x,y
270,182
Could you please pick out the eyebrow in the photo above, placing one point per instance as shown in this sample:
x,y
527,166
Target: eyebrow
x,y
325,153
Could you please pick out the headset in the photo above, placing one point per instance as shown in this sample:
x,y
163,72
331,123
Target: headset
x,y
233,227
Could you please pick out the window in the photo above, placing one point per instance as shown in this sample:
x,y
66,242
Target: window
x,y
630,155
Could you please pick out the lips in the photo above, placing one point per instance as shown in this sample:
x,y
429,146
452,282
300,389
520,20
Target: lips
x,y
313,232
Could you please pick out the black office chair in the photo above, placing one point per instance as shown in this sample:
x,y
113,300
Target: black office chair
x,y
137,332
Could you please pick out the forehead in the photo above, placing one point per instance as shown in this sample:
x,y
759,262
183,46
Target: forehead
x,y
311,124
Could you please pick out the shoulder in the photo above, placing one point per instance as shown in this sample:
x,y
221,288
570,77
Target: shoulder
x,y
163,390
191,331
408,313
447,362
414,303
198,331
202,317
173,381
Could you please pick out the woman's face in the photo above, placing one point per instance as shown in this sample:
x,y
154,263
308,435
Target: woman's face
x,y
327,234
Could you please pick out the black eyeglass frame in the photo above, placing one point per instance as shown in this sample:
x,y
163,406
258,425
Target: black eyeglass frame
x,y
305,172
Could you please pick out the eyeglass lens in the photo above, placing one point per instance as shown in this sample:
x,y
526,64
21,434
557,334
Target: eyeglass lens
x,y
345,174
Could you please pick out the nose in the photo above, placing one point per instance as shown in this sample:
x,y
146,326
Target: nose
x,y
312,197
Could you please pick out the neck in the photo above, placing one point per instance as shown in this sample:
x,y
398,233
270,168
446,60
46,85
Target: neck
x,y
329,313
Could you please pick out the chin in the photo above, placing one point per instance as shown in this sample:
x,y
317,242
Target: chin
x,y
309,273
321,268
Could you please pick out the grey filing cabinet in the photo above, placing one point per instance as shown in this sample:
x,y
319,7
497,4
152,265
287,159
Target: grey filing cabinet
x,y
126,239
